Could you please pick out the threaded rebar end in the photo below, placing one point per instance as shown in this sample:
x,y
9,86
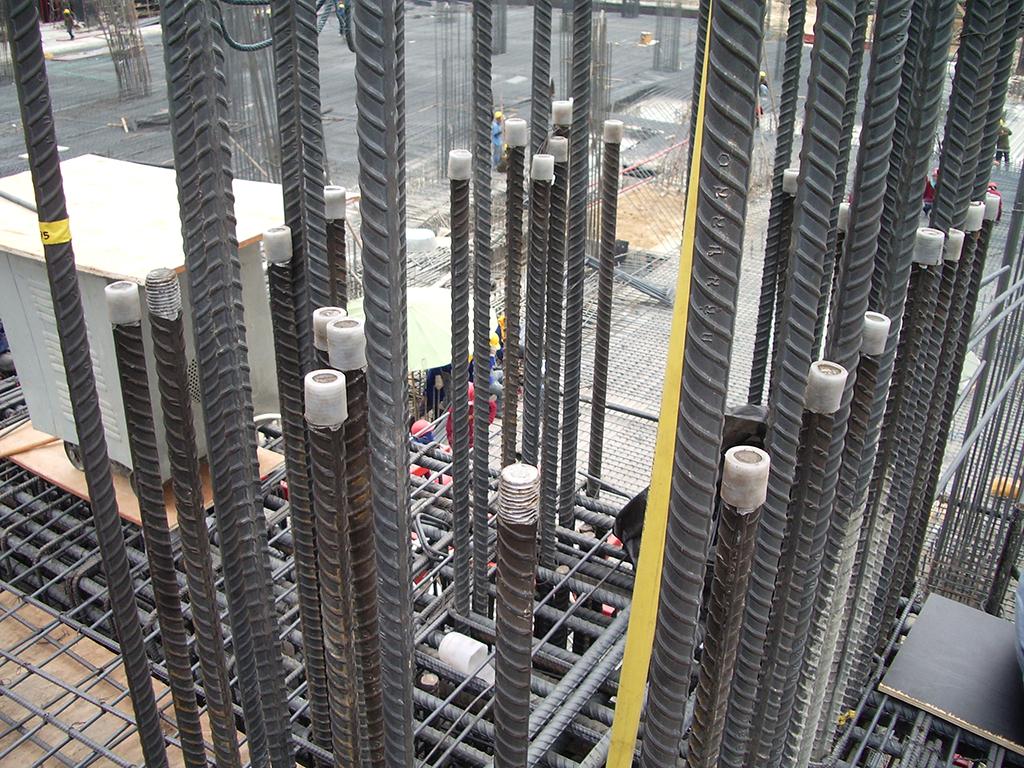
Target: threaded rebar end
x,y
518,493
163,294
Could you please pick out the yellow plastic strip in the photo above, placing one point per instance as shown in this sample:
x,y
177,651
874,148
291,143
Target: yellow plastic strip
x,y
647,587
55,232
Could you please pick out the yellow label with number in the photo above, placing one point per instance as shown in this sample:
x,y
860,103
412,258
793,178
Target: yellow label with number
x,y
55,232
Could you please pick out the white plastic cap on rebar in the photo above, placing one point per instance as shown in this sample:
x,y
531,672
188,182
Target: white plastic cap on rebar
x,y
516,132
928,246
992,201
954,244
334,202
460,164
825,384
613,131
346,343
975,216
123,303
745,477
277,244
326,400
463,654
542,168
874,333
321,317
561,112
558,146
844,218
789,180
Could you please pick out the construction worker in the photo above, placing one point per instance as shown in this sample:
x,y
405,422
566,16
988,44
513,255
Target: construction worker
x,y
497,129
1003,143
69,21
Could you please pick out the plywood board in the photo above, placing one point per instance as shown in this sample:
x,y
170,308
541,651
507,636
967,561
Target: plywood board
x,y
960,665
44,455
26,634
124,216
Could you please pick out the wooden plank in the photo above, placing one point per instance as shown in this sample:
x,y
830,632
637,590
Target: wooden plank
x,y
124,216
44,455
960,665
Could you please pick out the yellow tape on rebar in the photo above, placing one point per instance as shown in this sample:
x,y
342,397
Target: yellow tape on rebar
x,y
55,232
647,586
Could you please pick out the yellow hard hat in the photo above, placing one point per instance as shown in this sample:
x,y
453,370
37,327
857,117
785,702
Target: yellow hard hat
x,y
495,341
498,115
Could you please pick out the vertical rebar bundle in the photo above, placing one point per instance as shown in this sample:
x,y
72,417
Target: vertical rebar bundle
x,y
542,174
380,83
518,497
277,247
613,130
733,56
125,310
120,25
44,163
744,486
346,340
460,168
452,84
163,298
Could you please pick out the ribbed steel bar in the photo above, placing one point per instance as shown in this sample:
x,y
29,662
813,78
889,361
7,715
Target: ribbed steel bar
x,y
777,240
518,489
541,174
326,412
347,344
959,329
459,172
482,252
163,297
703,14
125,310
337,258
576,252
733,63
44,164
917,116
540,77
515,175
553,296
744,482
845,345
605,286
300,130
381,129
834,248
752,719
278,246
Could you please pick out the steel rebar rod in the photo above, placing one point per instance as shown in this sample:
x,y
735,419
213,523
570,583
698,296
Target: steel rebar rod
x,y
337,258
380,75
326,412
553,299
163,297
194,61
540,74
542,174
750,727
612,140
576,252
744,486
459,172
483,106
519,490
125,311
777,240
516,138
301,144
346,340
278,244
44,163
733,62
